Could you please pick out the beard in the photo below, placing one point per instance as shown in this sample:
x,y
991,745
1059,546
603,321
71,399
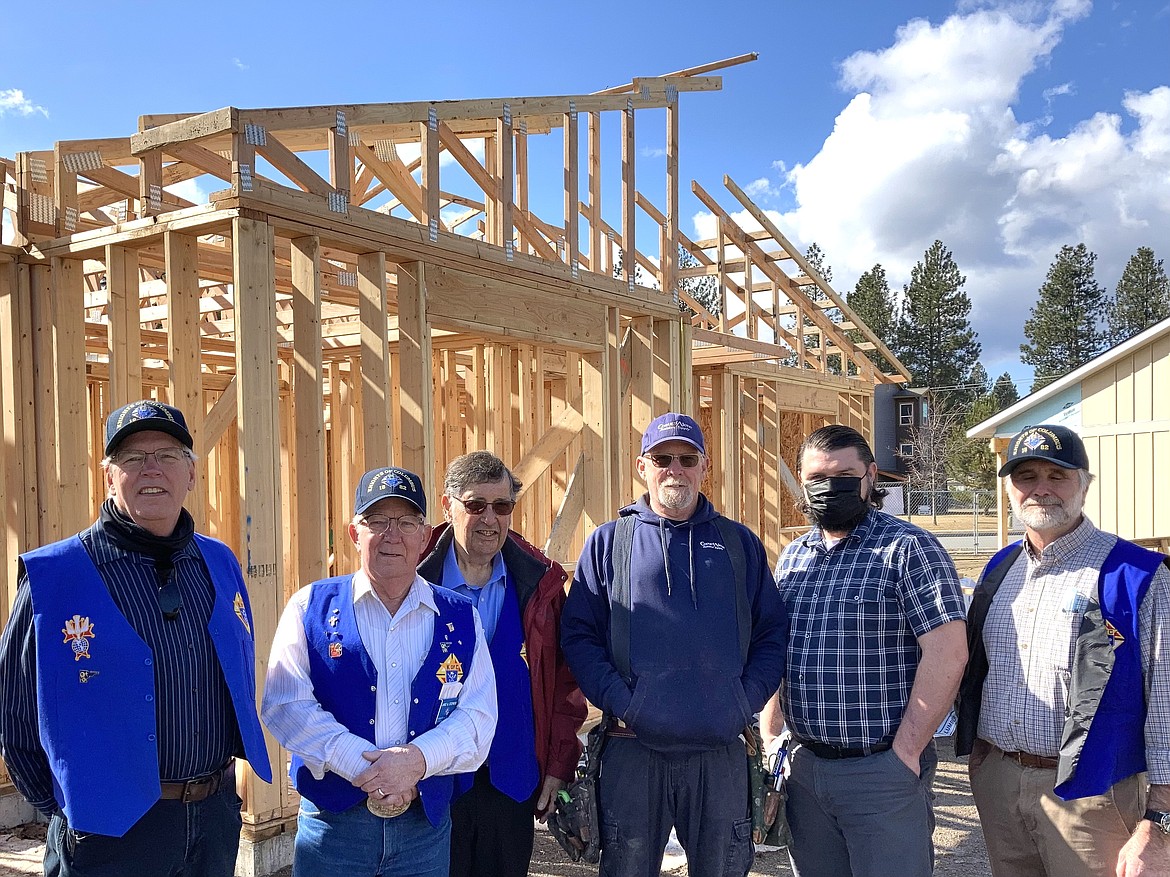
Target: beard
x,y
677,497
1049,514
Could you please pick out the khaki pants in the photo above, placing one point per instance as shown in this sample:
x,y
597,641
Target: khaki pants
x,y
1032,833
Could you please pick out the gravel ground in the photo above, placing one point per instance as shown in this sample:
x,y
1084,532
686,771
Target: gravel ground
x,y
958,839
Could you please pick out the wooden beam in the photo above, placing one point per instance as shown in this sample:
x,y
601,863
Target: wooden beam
x,y
375,359
183,350
416,393
125,335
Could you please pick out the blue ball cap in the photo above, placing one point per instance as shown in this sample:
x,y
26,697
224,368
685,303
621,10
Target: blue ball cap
x,y
671,427
389,482
143,415
1053,444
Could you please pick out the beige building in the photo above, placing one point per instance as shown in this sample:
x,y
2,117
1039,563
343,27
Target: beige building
x,y
1119,403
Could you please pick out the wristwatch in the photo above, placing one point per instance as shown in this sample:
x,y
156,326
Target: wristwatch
x,y
1160,818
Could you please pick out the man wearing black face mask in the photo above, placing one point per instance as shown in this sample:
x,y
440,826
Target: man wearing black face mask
x,y
876,648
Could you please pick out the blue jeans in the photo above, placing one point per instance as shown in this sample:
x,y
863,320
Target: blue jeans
x,y
356,843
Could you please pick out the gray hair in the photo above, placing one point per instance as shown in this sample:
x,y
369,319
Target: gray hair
x,y
478,467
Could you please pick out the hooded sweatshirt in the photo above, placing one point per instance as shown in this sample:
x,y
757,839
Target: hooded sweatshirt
x,y
689,689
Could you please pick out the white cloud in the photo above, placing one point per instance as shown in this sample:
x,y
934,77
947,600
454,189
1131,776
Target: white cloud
x,y
12,100
238,64
929,146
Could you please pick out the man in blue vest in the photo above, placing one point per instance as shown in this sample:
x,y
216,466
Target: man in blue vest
x,y
381,686
519,594
1065,705
127,673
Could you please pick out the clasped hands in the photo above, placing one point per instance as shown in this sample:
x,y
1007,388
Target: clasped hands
x,y
393,774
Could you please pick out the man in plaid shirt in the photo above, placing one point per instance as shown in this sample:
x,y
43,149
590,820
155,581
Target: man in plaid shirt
x,y
1066,703
876,648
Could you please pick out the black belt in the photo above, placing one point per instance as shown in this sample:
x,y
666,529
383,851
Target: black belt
x,y
834,753
200,788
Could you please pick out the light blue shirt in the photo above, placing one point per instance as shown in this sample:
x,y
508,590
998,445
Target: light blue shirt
x,y
489,599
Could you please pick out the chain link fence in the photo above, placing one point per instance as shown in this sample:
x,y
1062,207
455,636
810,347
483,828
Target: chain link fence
x,y
962,519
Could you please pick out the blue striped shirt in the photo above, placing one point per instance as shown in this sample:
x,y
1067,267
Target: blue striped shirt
x,y
197,730
856,611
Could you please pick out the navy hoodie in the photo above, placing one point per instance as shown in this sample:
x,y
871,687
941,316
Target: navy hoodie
x,y
689,688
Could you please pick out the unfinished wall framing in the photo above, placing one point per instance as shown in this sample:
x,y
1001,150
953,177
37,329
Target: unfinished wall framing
x,y
372,284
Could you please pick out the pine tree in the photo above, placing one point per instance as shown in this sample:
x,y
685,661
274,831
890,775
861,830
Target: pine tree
x,y
872,301
1065,329
816,259
1004,393
1142,297
935,340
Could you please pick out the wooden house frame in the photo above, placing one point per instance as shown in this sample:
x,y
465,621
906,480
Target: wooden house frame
x,y
366,289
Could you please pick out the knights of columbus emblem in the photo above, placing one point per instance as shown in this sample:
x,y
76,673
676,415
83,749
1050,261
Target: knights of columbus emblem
x,y
238,605
450,670
78,631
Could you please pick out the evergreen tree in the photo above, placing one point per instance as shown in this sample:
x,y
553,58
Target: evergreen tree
x,y
978,383
935,340
1004,392
1065,329
872,301
1142,297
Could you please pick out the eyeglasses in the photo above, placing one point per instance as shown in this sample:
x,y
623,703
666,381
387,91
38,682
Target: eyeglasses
x,y
170,599
663,461
502,507
407,525
165,458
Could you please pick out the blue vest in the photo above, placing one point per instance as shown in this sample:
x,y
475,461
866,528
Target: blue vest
x,y
345,683
98,731
512,758
1103,740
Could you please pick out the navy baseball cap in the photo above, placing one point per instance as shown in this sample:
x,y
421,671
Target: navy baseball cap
x,y
671,427
389,482
1053,444
143,415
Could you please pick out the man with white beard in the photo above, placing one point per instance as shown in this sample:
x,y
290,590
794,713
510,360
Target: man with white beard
x,y
1065,705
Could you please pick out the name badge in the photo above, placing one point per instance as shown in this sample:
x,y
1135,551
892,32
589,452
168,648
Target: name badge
x,y
448,700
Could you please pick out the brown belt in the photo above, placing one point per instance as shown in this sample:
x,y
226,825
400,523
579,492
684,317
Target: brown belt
x,y
1027,759
200,788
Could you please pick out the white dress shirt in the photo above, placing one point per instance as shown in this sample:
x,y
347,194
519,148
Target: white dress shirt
x,y
397,645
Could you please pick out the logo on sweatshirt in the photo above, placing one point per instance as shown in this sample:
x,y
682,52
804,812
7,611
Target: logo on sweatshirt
x,y
714,545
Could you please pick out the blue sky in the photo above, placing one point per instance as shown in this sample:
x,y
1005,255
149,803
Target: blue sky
x,y
871,127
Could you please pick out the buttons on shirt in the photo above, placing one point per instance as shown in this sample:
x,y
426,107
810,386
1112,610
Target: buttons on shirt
x,y
150,698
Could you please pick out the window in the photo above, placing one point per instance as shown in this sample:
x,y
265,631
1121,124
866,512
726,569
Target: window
x,y
905,450
905,413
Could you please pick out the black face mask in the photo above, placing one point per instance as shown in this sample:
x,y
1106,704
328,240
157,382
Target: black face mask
x,y
836,504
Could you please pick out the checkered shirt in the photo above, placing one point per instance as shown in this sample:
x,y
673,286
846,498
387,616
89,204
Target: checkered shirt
x,y
856,611
1030,636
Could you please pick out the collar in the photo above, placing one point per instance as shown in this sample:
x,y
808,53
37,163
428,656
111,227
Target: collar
x,y
816,536
453,575
1066,546
420,594
110,551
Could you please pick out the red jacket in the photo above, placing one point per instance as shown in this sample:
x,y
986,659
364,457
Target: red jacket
x,y
558,705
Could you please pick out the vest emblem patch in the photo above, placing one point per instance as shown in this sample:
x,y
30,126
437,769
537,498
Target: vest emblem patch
x,y
524,653
1115,637
450,670
335,650
238,605
78,632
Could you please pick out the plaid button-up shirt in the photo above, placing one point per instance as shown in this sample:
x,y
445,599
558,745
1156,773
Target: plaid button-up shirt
x,y
856,611
1030,635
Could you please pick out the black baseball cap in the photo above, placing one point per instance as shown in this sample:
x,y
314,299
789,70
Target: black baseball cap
x,y
1053,444
143,415
389,482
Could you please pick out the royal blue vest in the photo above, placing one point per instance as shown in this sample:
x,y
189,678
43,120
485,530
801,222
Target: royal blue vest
x,y
512,759
95,696
345,683
1103,740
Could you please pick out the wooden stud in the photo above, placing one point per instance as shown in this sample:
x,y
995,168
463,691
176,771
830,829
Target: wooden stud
x,y
125,336
181,252
416,394
375,359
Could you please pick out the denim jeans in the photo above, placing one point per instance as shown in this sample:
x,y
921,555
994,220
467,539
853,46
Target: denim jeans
x,y
193,840
356,843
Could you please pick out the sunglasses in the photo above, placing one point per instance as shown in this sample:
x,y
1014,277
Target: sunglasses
x,y
170,600
502,507
663,461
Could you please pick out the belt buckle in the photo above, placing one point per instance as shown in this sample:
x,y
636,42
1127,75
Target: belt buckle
x,y
193,787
